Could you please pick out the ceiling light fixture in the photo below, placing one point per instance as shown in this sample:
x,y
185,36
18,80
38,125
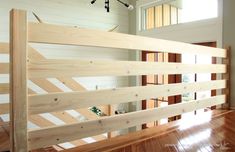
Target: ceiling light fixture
x,y
107,6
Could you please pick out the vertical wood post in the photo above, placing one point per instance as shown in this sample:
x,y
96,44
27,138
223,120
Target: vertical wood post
x,y
18,81
109,113
227,77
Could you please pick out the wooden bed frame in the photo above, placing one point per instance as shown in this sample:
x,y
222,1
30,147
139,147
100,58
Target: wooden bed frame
x,y
24,65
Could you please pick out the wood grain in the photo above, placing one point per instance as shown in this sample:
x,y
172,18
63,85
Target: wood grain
x,y
83,99
4,88
4,48
74,68
4,68
53,135
18,81
4,108
46,33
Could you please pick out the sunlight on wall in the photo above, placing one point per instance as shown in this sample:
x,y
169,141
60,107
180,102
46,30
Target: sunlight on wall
x,y
194,10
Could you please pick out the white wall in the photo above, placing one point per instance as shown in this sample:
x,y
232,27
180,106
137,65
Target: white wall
x,y
193,32
72,13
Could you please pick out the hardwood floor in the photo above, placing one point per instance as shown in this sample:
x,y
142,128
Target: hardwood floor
x,y
4,136
200,133
212,131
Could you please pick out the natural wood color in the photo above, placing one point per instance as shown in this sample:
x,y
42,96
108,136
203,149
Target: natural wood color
x,y
227,76
40,121
4,88
4,68
83,99
87,113
4,136
30,91
46,85
141,139
158,16
72,84
54,135
73,68
174,15
49,87
69,82
46,33
150,18
4,48
18,81
166,15
62,115
36,119
34,54
4,108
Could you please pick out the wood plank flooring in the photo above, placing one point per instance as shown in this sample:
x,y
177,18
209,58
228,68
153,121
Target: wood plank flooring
x,y
202,133
212,131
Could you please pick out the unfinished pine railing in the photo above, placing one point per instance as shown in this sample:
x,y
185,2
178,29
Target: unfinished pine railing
x,y
49,87
23,68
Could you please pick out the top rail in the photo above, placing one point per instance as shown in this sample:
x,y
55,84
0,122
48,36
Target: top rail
x,y
54,34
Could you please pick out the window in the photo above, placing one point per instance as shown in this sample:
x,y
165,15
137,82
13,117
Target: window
x,y
194,10
161,15
178,11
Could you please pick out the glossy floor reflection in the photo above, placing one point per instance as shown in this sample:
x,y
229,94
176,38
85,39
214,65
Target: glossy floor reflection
x,y
195,134
206,132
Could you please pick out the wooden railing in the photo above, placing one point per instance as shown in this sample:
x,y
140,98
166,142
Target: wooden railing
x,y
49,87
23,67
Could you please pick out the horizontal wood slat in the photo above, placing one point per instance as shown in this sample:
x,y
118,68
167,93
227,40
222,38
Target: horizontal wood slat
x,y
73,68
69,82
46,33
4,108
4,68
55,135
4,88
84,99
4,48
33,54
